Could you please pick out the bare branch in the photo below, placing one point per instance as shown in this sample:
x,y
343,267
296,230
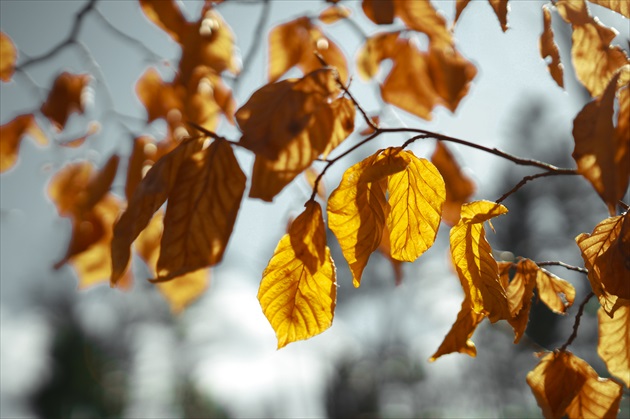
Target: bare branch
x,y
576,324
564,265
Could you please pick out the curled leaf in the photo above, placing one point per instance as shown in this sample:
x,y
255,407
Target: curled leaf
x,y
11,135
65,98
614,342
8,57
458,338
549,49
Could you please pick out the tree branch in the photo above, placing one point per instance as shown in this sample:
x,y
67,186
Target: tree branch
x,y
576,324
564,265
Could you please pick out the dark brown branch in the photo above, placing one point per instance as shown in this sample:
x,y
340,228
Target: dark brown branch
x,y
526,179
564,265
576,324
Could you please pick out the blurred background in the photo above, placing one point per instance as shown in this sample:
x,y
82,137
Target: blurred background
x,y
103,352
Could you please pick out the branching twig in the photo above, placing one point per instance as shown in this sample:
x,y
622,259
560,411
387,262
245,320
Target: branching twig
x,y
576,324
532,177
564,265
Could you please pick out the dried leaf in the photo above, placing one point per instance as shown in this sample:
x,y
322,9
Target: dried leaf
x,y
379,12
614,342
458,338
65,98
165,14
472,256
460,5
565,384
334,13
385,248
422,17
294,44
157,96
451,74
298,291
519,293
549,49
602,155
550,287
620,6
416,196
344,114
8,57
201,211
606,252
459,187
376,49
11,135
501,9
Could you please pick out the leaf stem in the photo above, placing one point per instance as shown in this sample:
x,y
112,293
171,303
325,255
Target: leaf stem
x,y
564,265
576,324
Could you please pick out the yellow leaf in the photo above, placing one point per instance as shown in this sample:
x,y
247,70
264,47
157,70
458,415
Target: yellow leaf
x,y
550,287
344,113
334,13
549,49
606,252
594,59
148,197
458,338
8,57
65,97
459,187
472,256
416,196
422,17
294,44
11,135
298,291
614,342
520,292
181,291
565,384
376,49
201,211
619,6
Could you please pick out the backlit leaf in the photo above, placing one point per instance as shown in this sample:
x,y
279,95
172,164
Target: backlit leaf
x,y
201,211
65,98
549,49
606,252
501,8
600,153
619,6
166,14
11,135
565,384
422,17
458,338
519,293
385,248
148,197
459,187
8,57
472,256
416,196
376,49
157,96
298,291
181,291
334,13
614,342
294,43
451,74
550,287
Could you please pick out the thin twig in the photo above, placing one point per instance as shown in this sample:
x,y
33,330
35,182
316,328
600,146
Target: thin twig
x,y
526,179
564,265
255,47
576,324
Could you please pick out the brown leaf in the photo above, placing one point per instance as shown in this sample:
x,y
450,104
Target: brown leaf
x,y
459,187
601,153
614,342
334,13
11,135
549,49
550,287
157,96
93,128
458,338
619,6
451,74
310,174
422,17
460,5
376,49
379,12
294,43
606,252
520,292
165,14
8,57
65,98
501,9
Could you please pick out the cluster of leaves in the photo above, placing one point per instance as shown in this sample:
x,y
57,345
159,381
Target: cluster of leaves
x,y
392,201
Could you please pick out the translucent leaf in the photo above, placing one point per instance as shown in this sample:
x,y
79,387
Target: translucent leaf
x,y
294,43
8,57
201,211
565,384
458,338
549,49
334,13
422,17
65,97
451,74
157,96
472,256
376,49
520,292
11,135
614,342
619,6
601,155
385,248
298,291
416,196
459,187
165,14
550,287
606,252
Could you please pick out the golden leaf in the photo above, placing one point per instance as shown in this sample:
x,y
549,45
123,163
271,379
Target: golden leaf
x,y
594,59
201,211
549,48
294,44
11,135
8,57
165,14
357,210
614,342
460,5
606,252
181,291
619,6
519,293
334,13
549,289
148,197
458,338
565,384
64,98
376,49
416,196
600,153
344,113
157,96
422,17
310,174
501,8
459,187
472,256
298,291
451,74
